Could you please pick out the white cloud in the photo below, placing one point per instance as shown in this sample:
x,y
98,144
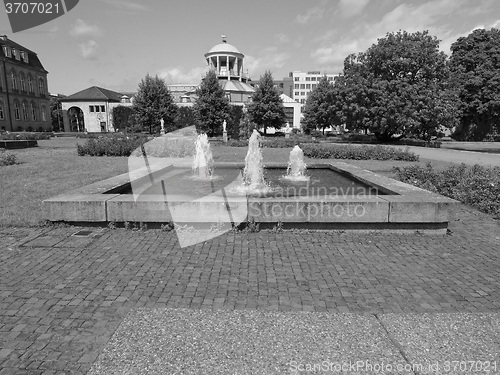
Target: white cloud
x,y
173,75
83,29
349,8
282,38
127,5
270,59
88,50
312,14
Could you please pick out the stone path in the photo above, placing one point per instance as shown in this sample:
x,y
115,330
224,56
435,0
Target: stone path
x,y
63,296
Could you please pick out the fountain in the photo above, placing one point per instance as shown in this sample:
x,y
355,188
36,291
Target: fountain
x,y
253,174
203,161
296,165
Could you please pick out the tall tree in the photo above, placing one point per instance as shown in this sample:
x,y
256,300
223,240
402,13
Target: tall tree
x,y
233,124
123,117
56,113
211,108
399,86
475,67
267,109
319,111
152,103
184,118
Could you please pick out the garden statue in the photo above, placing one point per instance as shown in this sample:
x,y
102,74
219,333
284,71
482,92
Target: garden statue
x,y
287,130
162,123
224,132
224,124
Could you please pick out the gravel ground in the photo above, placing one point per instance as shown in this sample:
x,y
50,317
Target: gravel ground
x,y
186,341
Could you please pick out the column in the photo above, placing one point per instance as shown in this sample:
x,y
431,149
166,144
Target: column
x,y
218,66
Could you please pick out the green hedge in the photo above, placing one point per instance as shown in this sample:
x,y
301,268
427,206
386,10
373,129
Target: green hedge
x,y
476,185
25,136
117,145
363,152
7,158
273,142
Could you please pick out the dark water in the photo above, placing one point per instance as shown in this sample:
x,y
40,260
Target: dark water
x,y
322,182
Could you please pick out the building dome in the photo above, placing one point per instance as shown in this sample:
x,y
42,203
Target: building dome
x,y
224,47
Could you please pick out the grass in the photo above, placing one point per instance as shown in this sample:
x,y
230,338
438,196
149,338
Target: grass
x,y
54,168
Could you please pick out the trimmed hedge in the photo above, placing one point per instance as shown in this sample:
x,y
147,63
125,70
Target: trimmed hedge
x,y
7,158
25,136
363,152
117,145
273,142
475,185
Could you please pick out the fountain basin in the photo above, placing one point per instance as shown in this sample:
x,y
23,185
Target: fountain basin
x,y
386,204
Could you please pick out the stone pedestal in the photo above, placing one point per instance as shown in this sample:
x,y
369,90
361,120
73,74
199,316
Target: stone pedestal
x,y
287,135
224,136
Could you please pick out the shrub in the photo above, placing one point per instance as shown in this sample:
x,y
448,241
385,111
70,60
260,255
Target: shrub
x,y
418,142
7,158
118,145
25,136
363,152
273,142
475,185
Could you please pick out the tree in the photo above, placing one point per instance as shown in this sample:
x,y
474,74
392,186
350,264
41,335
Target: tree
x,y
212,107
267,109
56,113
152,103
185,117
233,124
399,86
123,117
319,111
475,68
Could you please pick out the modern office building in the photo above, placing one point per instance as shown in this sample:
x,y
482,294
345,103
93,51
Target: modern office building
x,y
304,82
24,96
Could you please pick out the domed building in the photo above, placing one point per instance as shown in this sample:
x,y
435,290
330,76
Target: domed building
x,y
227,62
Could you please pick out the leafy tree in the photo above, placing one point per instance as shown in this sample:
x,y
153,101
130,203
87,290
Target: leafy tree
x,y
152,103
246,126
56,113
267,109
475,67
319,111
185,117
123,117
211,107
233,124
399,86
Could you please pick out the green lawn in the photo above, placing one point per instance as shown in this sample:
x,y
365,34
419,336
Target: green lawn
x,y
54,168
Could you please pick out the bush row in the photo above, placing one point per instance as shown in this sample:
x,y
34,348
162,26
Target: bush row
x,y
7,158
273,142
363,152
118,145
476,185
25,136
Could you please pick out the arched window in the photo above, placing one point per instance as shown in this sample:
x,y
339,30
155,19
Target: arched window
x,y
41,86
30,84
13,77
25,111
22,81
17,114
44,113
33,111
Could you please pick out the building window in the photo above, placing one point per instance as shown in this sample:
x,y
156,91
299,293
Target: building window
x,y
296,93
297,86
14,53
302,101
30,84
308,86
23,83
17,114
25,111
313,86
1,111
302,93
14,80
296,78
6,51
41,86
24,56
33,111
308,78
91,108
44,114
103,109
302,86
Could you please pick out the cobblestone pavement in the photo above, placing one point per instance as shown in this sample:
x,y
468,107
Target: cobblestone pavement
x,y
64,295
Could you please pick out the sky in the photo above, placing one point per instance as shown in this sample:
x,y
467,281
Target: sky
x,y
115,43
